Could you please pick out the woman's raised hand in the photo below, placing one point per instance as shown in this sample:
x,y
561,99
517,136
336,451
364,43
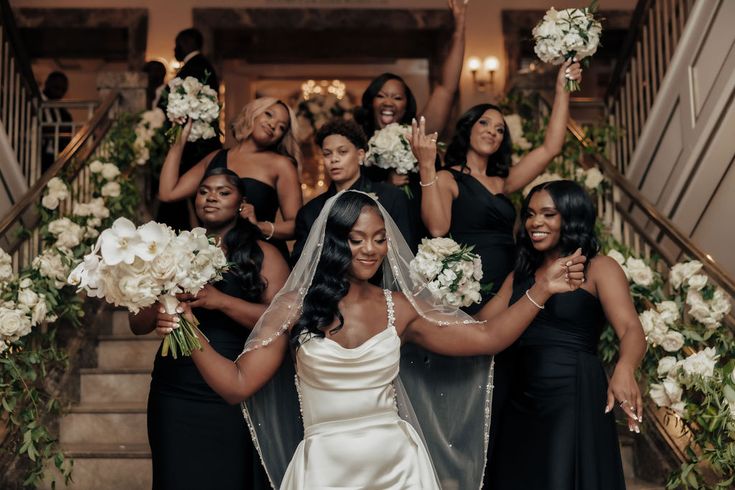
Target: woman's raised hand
x,y
247,212
459,10
569,70
184,134
423,146
566,273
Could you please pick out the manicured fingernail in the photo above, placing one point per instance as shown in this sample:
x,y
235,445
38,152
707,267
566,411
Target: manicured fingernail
x,y
607,409
423,119
568,263
574,59
567,71
637,430
161,310
179,309
630,429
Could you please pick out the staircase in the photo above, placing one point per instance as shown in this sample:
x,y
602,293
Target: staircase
x,y
106,432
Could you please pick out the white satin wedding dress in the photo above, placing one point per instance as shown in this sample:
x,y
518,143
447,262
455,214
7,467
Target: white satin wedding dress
x,y
353,435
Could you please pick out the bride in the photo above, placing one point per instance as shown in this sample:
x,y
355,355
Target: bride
x,y
363,425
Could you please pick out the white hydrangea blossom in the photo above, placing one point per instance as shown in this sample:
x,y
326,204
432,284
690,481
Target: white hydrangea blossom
x,y
451,272
389,148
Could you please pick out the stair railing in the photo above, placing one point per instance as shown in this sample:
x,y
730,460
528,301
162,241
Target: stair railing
x,y
19,233
655,30
20,98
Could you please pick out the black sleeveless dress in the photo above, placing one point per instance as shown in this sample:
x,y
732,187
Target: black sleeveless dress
x,y
197,439
486,220
261,195
553,433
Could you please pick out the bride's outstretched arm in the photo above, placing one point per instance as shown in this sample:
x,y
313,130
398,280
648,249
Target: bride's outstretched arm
x,y
235,381
503,323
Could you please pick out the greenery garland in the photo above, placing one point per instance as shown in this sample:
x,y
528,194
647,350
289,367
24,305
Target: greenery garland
x,y
39,310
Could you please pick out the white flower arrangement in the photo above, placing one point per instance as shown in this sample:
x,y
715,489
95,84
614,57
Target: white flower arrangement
x,y
389,148
191,99
450,271
148,126
590,178
636,270
56,192
568,33
135,267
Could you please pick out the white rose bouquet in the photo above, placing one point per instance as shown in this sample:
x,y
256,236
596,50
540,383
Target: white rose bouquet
x,y
449,270
191,99
565,34
389,148
135,267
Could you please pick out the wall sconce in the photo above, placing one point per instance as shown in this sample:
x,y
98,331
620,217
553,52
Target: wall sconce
x,y
484,79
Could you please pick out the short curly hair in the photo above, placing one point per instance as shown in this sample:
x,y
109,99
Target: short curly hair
x,y
349,129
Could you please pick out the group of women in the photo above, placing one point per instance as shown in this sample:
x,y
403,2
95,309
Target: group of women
x,y
344,315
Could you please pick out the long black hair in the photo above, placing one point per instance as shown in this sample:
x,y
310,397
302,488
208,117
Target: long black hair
x,y
365,114
330,283
577,226
241,245
498,164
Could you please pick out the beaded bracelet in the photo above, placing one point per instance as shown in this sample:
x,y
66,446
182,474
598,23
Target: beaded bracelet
x,y
433,181
528,295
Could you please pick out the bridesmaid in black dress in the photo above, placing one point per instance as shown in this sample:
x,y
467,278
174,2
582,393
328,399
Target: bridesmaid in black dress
x,y
557,431
265,157
197,439
388,99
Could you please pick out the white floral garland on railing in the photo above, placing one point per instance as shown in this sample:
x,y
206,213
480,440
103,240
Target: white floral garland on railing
x,y
39,295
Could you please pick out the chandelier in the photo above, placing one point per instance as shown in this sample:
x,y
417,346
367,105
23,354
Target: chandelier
x,y
312,88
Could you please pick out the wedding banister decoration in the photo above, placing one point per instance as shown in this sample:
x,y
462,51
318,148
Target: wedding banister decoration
x,y
92,183
684,304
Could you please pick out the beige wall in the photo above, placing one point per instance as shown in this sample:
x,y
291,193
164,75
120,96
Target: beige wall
x,y
484,30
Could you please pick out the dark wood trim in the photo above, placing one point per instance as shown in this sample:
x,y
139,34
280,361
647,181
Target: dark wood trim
x,y
21,58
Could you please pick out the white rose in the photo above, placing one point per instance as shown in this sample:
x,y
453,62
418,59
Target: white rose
x,y
110,189
639,272
96,167
672,341
698,308
668,312
665,365
697,281
673,390
440,246
27,297
720,304
110,171
701,363
40,310
683,271
679,408
14,324
658,395
50,201
593,178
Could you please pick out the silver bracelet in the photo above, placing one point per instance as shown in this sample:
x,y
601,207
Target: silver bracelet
x,y
273,230
528,295
433,181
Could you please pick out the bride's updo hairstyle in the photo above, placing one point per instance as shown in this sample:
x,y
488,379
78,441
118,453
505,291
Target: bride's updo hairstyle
x,y
578,218
498,164
330,283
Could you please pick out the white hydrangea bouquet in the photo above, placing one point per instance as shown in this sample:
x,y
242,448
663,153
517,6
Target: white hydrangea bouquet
x,y
565,34
136,267
191,99
449,270
389,148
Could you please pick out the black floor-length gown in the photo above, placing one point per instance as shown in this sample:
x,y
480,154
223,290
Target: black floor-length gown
x,y
553,433
485,220
262,196
199,441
